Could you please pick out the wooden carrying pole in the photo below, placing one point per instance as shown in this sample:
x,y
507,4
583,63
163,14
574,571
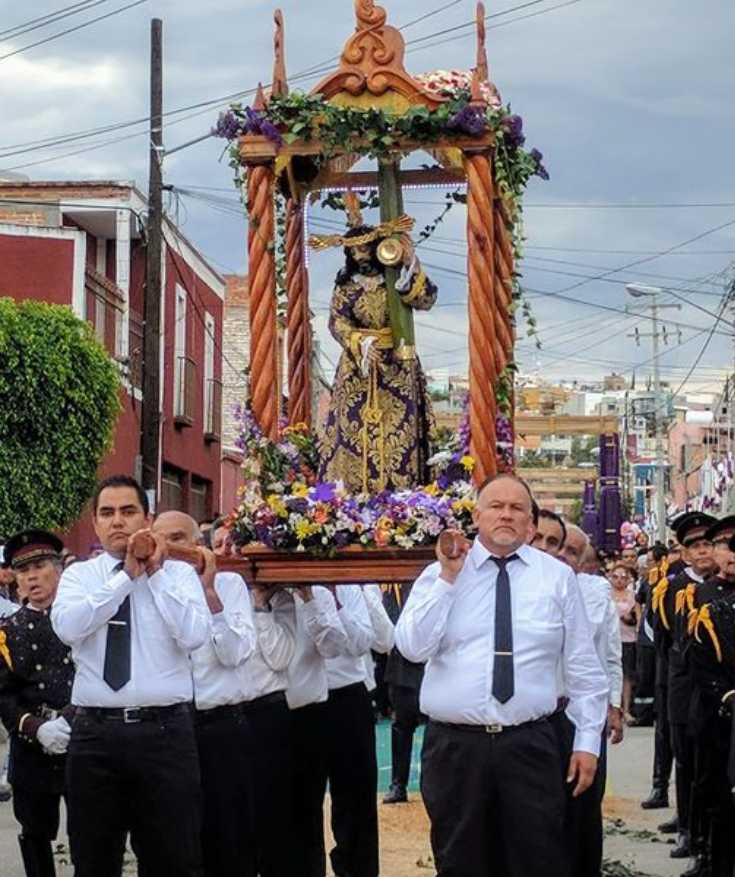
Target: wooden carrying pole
x,y
298,319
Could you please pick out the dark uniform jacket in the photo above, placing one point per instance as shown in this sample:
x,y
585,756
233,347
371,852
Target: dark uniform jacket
x,y
36,673
399,671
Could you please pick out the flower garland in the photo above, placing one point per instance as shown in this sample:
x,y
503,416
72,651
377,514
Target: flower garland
x,y
283,506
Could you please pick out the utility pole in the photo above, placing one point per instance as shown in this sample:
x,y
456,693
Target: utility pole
x,y
653,292
151,408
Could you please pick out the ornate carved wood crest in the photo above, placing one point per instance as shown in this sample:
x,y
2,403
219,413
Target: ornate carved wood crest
x,y
372,62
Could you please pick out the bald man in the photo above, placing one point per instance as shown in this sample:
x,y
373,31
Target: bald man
x,y
220,690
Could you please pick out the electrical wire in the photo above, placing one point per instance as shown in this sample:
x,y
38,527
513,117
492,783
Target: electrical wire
x,y
69,30
50,18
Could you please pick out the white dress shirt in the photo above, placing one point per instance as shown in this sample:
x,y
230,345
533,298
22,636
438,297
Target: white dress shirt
x,y
266,671
231,641
604,623
319,635
385,632
451,627
347,666
169,619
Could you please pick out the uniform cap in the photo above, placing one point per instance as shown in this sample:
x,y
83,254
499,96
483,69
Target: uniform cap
x,y
725,527
692,526
29,545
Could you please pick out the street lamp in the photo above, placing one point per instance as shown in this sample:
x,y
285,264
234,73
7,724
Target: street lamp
x,y
640,291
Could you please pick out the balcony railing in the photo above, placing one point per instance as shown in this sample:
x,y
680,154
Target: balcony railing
x,y
105,308
185,391
213,410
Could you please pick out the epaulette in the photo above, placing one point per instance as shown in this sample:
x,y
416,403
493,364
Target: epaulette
x,y
704,618
692,621
4,650
657,602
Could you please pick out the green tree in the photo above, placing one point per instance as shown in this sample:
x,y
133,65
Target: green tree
x,y
59,401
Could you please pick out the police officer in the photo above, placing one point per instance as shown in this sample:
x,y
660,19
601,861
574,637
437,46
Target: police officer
x,y
36,676
711,821
670,635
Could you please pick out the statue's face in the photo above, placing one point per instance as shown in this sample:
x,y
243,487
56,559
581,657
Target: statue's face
x,y
362,255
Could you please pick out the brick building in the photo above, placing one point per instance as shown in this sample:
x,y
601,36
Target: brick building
x,y
82,244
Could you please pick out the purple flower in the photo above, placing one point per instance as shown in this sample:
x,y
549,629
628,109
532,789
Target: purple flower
x,y
228,126
514,135
269,130
540,169
341,538
469,120
323,492
297,504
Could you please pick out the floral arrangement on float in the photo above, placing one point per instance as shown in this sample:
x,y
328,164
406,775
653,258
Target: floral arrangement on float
x,y
284,507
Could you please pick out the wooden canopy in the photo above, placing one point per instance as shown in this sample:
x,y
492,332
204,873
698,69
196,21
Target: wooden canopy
x,y
371,73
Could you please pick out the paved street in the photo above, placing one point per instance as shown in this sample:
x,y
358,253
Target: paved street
x,y
636,844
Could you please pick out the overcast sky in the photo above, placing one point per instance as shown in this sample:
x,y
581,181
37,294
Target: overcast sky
x,y
630,102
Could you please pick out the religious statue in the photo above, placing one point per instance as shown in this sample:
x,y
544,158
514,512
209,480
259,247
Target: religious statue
x,y
377,431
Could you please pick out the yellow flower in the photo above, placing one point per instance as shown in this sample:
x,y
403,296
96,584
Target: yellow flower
x,y
299,490
303,529
277,505
468,462
432,489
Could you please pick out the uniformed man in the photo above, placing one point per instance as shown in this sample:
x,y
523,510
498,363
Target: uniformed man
x,y
670,636
36,676
708,821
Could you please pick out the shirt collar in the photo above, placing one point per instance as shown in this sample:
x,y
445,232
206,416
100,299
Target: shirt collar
x,y
480,554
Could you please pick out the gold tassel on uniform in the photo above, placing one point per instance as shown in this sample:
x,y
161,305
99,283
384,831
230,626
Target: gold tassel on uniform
x,y
659,594
705,619
4,650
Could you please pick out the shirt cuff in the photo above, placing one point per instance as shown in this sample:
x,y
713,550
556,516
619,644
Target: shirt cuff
x,y
587,741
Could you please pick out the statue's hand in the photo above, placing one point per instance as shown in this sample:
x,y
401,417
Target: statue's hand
x,y
409,250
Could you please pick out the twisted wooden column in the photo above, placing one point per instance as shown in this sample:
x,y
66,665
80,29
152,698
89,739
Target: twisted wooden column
x,y
485,345
504,283
298,319
262,280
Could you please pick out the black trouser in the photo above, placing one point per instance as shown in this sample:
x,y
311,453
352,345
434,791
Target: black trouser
x,y
38,787
406,718
663,755
715,816
226,756
583,818
645,683
141,778
496,801
353,782
270,724
310,770
380,697
683,746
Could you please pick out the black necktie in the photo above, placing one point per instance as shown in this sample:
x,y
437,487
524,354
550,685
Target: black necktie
x,y
503,682
117,652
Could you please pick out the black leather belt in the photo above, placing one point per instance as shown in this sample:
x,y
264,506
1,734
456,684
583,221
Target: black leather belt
x,y
133,714
495,728
265,700
218,713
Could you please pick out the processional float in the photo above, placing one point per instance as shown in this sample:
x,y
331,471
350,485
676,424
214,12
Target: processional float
x,y
286,148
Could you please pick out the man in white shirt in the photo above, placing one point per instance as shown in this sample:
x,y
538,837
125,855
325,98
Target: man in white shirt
x,y
132,763
320,635
265,678
226,750
493,621
352,767
585,832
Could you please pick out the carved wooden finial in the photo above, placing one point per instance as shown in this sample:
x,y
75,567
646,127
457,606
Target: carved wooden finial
x,y
372,61
259,102
480,73
280,81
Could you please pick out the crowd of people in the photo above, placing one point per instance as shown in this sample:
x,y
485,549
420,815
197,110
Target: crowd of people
x,y
204,721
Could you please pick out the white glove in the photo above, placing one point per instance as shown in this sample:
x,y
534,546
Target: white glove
x,y
54,736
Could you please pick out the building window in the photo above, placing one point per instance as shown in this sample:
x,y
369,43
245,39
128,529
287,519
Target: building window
x,y
172,489
184,366
200,493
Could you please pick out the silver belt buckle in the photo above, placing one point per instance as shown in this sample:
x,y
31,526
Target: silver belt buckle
x,y
495,728
131,715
